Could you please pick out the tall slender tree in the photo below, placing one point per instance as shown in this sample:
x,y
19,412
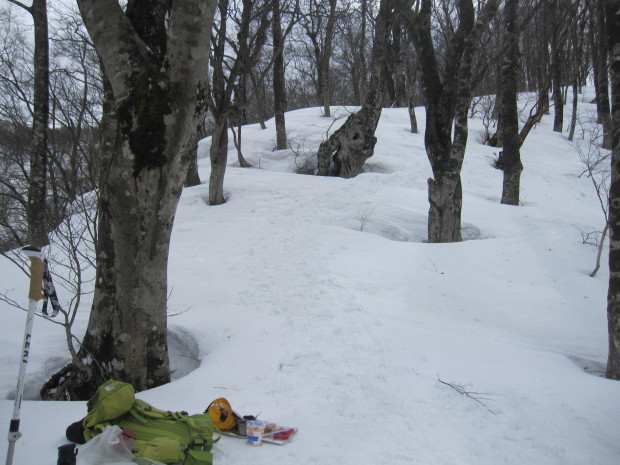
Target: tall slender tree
x,y
229,76
319,24
279,88
601,68
510,157
37,192
613,296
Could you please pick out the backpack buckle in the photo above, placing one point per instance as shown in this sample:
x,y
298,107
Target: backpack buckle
x,y
198,444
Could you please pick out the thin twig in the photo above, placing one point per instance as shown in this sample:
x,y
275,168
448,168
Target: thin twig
x,y
462,389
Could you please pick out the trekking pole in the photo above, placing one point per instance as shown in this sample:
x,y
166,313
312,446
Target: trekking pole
x,y
35,294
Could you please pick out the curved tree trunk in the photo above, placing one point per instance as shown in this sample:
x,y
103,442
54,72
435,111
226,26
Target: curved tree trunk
x,y
156,60
348,148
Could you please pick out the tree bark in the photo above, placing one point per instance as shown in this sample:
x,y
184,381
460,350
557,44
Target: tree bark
x,y
400,86
613,296
193,178
279,88
156,57
510,156
413,121
348,148
218,153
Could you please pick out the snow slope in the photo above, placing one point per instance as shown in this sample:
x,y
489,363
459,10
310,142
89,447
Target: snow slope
x,y
316,302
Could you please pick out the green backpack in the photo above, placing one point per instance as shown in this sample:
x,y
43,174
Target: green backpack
x,y
168,437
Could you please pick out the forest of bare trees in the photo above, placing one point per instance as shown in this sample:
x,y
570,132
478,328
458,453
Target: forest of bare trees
x,y
102,104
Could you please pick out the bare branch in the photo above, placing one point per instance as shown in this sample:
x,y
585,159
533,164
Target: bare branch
x,y
463,390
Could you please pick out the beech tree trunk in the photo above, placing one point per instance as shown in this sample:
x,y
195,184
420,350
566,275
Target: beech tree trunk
x,y
447,96
348,148
155,55
510,156
613,296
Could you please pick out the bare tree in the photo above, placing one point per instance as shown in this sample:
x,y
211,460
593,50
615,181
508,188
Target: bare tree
x,y
447,95
347,149
279,88
155,55
510,157
613,296
600,65
229,76
37,192
571,15
319,23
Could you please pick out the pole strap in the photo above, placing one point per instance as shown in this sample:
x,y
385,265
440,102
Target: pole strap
x,y
49,293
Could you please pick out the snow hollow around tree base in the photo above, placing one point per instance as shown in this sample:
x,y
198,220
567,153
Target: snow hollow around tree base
x,y
183,351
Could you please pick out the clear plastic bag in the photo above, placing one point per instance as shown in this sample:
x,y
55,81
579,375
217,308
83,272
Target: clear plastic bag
x,y
111,447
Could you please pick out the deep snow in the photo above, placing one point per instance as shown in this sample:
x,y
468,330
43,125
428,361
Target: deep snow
x,y
316,302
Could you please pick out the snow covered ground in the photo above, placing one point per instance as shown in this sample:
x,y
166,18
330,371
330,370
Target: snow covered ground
x,y
316,302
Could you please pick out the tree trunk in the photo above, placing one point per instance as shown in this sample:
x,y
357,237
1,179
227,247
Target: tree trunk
x,y
400,82
445,197
573,118
326,55
412,118
447,104
542,103
193,178
511,158
558,100
613,296
156,58
348,148
223,86
279,88
602,64
219,156
363,71
37,191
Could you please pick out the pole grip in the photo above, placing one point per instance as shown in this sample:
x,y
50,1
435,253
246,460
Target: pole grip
x,y
37,267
